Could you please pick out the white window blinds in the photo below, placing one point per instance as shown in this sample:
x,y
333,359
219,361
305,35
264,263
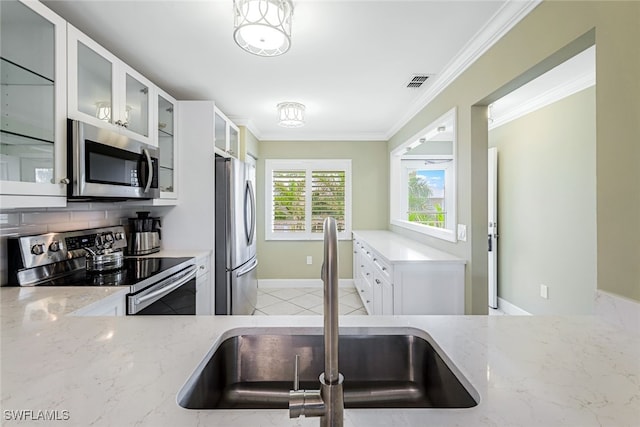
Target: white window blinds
x,y
302,193
289,201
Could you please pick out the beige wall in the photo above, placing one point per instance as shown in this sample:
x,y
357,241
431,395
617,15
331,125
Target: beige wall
x,y
529,49
287,259
547,207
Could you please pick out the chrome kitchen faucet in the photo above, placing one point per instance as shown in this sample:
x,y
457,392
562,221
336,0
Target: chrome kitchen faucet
x,y
328,402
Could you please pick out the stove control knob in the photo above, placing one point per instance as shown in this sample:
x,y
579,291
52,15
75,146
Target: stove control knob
x,y
119,235
37,249
54,246
108,237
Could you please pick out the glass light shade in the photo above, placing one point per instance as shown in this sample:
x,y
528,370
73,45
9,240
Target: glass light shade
x,y
291,114
263,27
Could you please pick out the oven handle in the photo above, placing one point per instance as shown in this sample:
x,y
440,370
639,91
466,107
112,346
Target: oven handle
x,y
150,165
169,288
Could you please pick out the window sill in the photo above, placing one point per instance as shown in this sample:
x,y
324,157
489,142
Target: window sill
x,y
438,233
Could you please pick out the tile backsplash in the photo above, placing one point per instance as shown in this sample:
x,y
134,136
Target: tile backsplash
x,y
76,216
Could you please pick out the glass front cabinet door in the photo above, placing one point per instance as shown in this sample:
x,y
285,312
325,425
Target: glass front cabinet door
x,y
227,141
105,92
33,108
167,121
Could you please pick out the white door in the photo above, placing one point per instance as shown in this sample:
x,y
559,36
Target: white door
x,y
493,227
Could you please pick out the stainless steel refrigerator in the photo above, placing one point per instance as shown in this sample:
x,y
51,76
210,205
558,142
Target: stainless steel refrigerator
x,y
236,284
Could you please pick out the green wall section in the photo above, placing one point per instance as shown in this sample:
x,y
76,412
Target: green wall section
x,y
287,259
547,207
533,44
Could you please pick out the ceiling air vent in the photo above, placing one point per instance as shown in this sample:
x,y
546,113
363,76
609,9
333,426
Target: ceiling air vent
x,y
417,80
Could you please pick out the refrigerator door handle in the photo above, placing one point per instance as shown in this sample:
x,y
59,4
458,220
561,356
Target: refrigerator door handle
x,y
244,270
249,217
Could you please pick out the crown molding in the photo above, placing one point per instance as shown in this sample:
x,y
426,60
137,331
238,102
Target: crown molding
x,y
362,136
247,123
502,22
563,90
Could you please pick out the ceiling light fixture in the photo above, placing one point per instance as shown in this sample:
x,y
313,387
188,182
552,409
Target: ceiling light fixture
x,y
263,27
291,114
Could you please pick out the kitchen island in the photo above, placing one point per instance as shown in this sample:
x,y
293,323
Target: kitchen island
x,y
126,371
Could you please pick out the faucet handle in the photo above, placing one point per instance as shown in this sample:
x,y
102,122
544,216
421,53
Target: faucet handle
x,y
304,402
296,374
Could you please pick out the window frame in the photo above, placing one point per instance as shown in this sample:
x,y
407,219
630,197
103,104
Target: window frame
x,y
409,163
396,217
307,165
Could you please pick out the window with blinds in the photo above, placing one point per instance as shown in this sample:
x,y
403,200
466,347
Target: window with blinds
x,y
289,201
302,193
327,198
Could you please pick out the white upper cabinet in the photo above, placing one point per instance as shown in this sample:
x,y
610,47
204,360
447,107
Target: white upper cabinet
x,y
106,92
167,124
33,92
227,139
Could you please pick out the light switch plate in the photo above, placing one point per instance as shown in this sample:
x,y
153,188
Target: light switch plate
x,y
309,260
462,232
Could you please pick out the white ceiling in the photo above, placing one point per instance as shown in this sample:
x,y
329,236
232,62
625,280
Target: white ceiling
x,y
349,62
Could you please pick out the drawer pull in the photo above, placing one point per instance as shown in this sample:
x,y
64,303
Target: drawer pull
x,y
378,281
384,268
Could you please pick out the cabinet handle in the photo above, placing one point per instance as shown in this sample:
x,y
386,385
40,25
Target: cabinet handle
x,y
375,259
378,281
362,290
384,268
64,181
367,274
361,265
368,302
355,252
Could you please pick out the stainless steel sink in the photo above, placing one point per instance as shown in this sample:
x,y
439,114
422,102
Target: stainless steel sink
x,y
381,370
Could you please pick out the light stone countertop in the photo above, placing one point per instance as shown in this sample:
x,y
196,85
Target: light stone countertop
x,y
399,249
126,371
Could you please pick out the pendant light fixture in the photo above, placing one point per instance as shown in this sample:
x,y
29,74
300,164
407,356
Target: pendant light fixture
x,y
291,114
263,27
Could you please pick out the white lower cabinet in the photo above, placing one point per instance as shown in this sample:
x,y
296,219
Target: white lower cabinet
x,y
394,275
204,293
113,305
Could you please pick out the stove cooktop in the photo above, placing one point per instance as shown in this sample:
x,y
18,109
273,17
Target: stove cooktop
x,y
134,270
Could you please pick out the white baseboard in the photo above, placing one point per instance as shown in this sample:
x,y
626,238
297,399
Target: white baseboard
x,y
511,309
300,283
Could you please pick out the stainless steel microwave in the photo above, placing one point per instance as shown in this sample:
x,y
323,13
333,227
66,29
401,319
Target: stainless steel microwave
x,y
104,164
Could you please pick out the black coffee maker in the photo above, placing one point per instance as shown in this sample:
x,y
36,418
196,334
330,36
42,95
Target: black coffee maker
x,y
144,234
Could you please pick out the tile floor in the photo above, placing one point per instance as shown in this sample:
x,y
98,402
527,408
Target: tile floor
x,y
305,302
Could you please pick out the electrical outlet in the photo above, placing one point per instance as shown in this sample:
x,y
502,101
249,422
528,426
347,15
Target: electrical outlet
x,y
462,232
309,260
544,291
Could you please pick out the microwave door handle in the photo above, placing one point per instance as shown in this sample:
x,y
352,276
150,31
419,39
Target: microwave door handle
x,y
150,168
167,289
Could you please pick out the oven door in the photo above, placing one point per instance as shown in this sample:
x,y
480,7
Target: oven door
x,y
105,164
173,295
